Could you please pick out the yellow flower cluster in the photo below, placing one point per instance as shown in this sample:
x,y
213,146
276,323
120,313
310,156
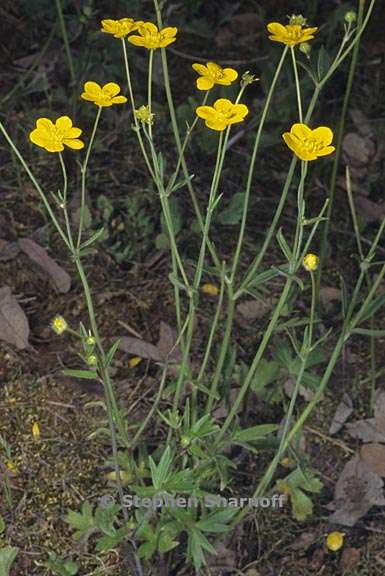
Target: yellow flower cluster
x,y
290,34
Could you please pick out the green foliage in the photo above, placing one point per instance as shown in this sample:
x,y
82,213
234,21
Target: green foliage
x,y
60,567
295,485
7,557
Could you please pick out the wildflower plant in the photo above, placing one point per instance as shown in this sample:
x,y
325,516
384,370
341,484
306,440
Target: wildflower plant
x,y
192,458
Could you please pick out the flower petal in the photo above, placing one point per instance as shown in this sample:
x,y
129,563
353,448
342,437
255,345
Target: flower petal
x,y
119,100
73,143
323,134
166,42
223,105
111,89
230,74
136,40
276,29
148,27
169,32
205,112
326,151
241,110
216,124
45,124
301,131
92,88
213,68
64,123
200,68
204,83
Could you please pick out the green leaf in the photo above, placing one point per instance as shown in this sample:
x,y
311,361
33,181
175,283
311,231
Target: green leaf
x,y
254,433
82,521
147,549
302,505
232,214
84,374
106,543
98,234
196,545
7,558
2,525
105,518
323,62
368,332
111,352
266,373
161,472
373,307
176,216
166,542
284,245
218,521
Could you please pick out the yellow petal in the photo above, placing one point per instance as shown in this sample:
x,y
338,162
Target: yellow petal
x,y
92,88
136,40
166,42
204,83
205,111
74,144
240,110
64,123
45,124
276,29
326,151
149,27
230,74
111,89
200,68
223,105
73,132
119,100
323,134
169,32
301,131
213,68
216,124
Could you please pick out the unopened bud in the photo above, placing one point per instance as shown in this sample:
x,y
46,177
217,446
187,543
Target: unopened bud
x,y
350,17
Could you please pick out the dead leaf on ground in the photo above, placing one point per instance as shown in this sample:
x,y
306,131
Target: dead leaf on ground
x,y
372,211
349,558
251,310
371,429
374,457
166,343
39,255
342,413
359,150
329,294
158,353
14,327
8,250
305,540
361,122
224,560
356,491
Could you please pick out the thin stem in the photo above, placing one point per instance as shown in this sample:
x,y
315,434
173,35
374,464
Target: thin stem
x,y
64,202
149,88
252,164
35,183
84,173
66,41
297,84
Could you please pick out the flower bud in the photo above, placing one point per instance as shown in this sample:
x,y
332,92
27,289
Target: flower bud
x,y
185,441
310,262
350,17
305,48
92,360
297,20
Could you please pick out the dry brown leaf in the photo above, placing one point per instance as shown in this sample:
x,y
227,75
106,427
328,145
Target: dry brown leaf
x,y
224,560
8,250
358,150
39,255
371,210
329,294
371,429
374,457
140,348
361,122
14,327
349,558
356,491
254,309
166,342
342,413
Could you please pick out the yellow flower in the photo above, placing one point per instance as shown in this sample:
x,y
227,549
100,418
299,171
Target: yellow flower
x,y
290,34
36,431
210,289
144,115
53,137
335,541
134,361
213,74
59,325
103,95
12,468
310,262
222,114
120,28
125,476
151,37
309,144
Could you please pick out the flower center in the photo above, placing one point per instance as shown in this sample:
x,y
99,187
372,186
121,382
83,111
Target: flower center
x,y
312,145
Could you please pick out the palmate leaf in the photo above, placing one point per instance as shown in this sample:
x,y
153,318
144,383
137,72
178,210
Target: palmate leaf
x,y
83,522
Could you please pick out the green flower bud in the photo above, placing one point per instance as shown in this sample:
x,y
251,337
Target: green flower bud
x,y
92,360
185,441
350,17
305,48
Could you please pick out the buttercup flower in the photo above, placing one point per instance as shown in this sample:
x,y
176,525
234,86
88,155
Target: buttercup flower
x,y
59,325
151,37
36,431
103,95
290,34
310,262
222,114
120,28
144,115
134,361
335,540
53,137
213,74
309,144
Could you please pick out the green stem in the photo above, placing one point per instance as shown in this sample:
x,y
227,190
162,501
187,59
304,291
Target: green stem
x,y
297,84
66,41
84,173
